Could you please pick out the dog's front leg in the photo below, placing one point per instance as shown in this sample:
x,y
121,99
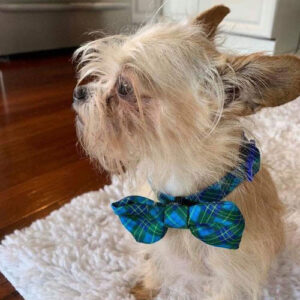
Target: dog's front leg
x,y
141,292
148,286
239,274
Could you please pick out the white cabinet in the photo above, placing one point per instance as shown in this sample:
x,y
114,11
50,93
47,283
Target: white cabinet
x,y
277,22
251,17
239,44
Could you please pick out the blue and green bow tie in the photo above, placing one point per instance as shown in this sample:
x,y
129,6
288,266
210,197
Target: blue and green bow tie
x,y
215,222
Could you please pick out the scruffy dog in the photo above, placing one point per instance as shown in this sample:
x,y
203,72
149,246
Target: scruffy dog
x,y
164,106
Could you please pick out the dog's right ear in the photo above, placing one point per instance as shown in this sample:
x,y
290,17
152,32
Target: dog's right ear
x,y
210,19
252,82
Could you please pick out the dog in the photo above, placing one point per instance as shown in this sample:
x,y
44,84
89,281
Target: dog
x,y
164,107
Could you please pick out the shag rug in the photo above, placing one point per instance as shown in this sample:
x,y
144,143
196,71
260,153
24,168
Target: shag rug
x,y
81,251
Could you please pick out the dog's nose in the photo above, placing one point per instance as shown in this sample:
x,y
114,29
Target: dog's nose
x,y
80,94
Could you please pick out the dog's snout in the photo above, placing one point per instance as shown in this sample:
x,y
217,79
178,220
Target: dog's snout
x,y
80,94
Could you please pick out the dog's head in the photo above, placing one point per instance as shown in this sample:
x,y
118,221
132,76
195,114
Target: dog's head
x,y
166,94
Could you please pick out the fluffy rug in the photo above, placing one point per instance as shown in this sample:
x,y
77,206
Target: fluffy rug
x,y
81,252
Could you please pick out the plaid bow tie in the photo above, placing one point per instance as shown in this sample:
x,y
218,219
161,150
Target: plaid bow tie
x,y
215,222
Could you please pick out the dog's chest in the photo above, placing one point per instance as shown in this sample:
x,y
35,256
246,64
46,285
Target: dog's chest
x,y
182,259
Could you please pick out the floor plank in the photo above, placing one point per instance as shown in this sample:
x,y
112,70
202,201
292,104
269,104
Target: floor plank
x,y
41,165
41,153
6,288
37,193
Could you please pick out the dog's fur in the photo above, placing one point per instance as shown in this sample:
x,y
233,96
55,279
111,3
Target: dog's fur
x,y
178,125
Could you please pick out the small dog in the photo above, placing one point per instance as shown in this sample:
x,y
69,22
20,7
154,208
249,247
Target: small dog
x,y
164,106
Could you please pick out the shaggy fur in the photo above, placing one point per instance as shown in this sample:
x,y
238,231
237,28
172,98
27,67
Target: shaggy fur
x,y
164,105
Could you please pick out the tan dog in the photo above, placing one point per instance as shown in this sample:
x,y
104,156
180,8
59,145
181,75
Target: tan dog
x,y
165,104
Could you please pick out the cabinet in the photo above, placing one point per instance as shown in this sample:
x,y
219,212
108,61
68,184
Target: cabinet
x,y
34,25
252,25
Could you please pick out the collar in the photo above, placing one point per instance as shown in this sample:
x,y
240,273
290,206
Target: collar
x,y
215,222
246,170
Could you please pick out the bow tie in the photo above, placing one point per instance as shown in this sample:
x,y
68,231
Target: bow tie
x,y
215,222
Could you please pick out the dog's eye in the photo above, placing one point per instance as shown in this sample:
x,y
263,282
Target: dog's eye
x,y
125,89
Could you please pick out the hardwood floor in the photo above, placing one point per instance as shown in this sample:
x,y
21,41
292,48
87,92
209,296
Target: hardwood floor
x,y
41,166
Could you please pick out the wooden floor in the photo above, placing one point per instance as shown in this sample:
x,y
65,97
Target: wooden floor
x,y
41,166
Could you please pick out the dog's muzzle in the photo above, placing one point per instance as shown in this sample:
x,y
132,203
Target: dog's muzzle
x,y
80,94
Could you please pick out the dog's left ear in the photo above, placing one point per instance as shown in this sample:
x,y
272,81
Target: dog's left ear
x,y
210,19
255,81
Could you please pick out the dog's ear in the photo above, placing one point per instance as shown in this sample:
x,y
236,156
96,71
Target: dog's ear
x,y
210,19
255,81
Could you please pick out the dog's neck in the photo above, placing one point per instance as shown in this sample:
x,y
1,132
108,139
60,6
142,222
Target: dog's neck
x,y
177,186
180,180
179,183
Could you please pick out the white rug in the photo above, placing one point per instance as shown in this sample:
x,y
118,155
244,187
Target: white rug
x,y
81,252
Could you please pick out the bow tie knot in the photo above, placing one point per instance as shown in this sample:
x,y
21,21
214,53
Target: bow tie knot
x,y
176,216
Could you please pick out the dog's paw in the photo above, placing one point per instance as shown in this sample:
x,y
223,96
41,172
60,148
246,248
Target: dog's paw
x,y
140,292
